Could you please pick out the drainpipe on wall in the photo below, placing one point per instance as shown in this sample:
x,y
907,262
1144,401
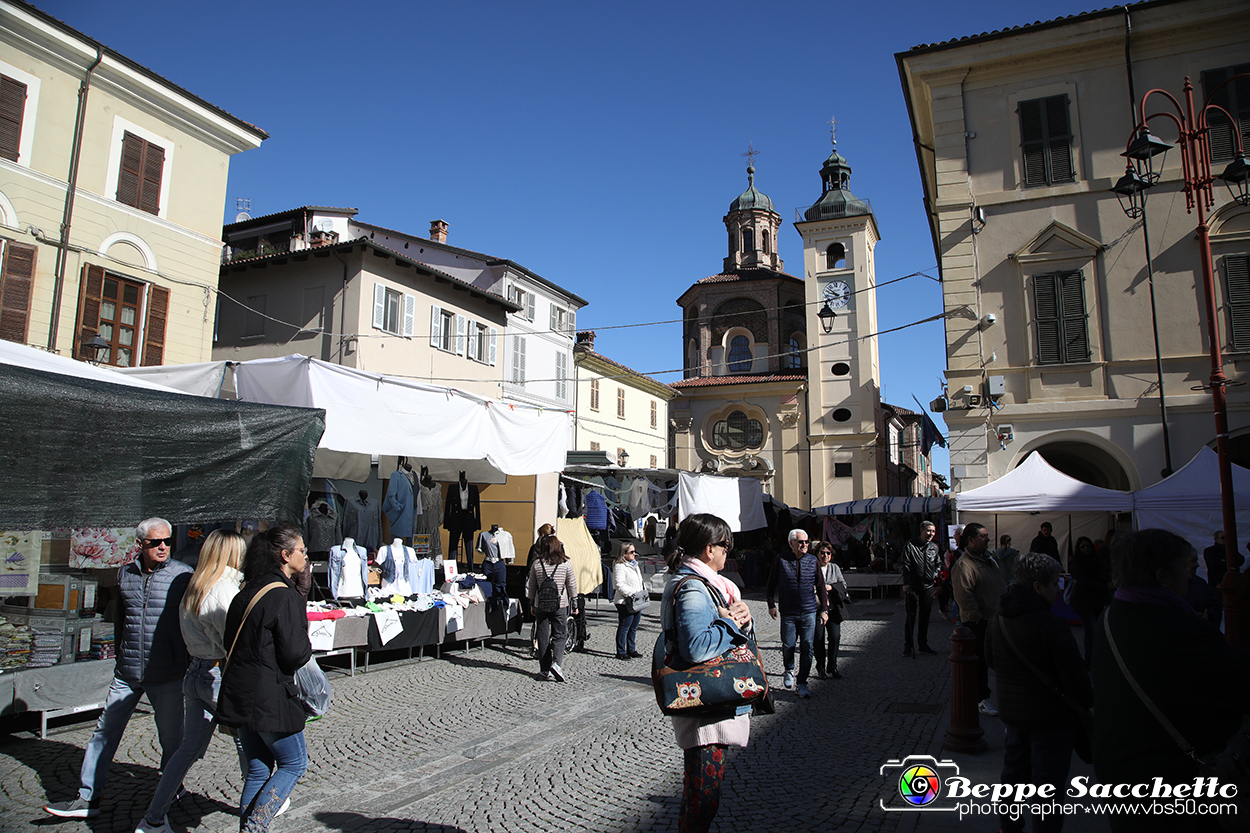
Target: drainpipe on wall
x,y
58,283
342,308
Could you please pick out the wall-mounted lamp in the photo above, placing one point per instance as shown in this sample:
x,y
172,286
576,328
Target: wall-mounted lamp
x,y
623,458
989,320
826,316
978,219
98,346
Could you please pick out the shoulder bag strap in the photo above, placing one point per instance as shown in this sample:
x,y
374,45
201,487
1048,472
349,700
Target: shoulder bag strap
x,y
250,605
717,600
1167,724
1037,672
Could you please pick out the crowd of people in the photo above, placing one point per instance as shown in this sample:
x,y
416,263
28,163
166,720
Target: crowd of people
x,y
215,646
218,646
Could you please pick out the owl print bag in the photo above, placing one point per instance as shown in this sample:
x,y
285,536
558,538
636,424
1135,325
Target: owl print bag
x,y
715,688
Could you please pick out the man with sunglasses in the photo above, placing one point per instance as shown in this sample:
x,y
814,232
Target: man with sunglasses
x,y
803,597
151,659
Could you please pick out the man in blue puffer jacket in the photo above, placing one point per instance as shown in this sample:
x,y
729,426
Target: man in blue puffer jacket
x,y
796,577
151,659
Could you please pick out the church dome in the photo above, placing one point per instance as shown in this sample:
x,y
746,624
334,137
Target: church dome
x,y
751,199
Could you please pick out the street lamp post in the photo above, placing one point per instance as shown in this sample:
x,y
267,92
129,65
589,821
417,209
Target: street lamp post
x,y
1193,136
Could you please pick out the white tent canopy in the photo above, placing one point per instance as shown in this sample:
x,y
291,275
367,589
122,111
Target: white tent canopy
x,y
203,379
446,428
1037,486
738,500
20,355
1188,503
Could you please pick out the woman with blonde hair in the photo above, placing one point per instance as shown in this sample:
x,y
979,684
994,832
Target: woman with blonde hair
x,y
202,617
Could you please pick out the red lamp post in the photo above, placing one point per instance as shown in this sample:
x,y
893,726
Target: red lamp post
x,y
1194,139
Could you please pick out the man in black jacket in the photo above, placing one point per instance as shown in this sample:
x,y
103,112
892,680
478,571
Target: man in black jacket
x,y
920,565
796,573
1035,658
151,659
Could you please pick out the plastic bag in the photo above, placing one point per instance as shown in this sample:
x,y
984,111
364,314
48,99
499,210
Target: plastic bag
x,y
314,688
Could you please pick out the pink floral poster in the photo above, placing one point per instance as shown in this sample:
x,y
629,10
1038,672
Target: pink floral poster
x,y
97,549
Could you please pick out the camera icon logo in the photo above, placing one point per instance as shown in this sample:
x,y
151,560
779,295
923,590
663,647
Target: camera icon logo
x,y
915,783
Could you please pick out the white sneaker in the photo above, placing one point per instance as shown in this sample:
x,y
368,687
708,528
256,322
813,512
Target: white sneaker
x,y
286,805
803,692
986,708
788,681
557,672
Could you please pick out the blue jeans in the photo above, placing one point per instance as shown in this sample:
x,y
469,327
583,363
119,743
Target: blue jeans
x,y
274,761
199,691
119,705
800,627
626,631
1037,755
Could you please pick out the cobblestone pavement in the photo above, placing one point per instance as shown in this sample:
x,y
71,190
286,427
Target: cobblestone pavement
x,y
472,742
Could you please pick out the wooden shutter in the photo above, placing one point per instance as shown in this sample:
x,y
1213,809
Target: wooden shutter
x,y
379,306
410,314
436,327
1235,98
493,336
1046,295
594,394
553,326
154,332
518,361
529,306
1237,281
12,108
15,290
139,180
1075,322
561,371
462,331
1058,140
153,168
572,321
89,297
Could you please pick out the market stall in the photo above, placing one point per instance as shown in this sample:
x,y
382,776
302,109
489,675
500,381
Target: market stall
x,y
86,448
1017,503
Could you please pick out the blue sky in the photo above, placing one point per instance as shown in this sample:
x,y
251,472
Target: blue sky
x,y
597,144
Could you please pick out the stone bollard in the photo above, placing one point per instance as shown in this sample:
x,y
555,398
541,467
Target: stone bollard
x,y
964,733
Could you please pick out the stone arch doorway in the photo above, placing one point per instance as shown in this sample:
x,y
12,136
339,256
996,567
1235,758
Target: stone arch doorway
x,y
1087,463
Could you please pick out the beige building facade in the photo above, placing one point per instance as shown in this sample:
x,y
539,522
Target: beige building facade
x,y
618,410
1048,336
112,186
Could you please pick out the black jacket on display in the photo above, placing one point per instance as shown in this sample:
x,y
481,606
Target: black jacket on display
x,y
258,686
456,519
1047,641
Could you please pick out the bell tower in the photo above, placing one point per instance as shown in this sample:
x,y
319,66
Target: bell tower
x,y
839,236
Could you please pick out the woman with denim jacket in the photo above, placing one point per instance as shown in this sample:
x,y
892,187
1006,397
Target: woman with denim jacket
x,y
704,629
202,618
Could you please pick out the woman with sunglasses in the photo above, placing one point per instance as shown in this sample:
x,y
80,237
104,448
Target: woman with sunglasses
x,y
627,579
265,646
703,628
202,617
830,633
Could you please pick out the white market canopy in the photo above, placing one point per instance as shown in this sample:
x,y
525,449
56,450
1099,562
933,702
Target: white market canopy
x,y
1037,486
448,429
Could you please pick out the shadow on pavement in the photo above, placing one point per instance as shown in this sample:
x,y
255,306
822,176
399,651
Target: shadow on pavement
x,y
355,821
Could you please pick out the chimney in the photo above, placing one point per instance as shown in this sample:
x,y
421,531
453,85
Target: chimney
x,y
585,341
438,231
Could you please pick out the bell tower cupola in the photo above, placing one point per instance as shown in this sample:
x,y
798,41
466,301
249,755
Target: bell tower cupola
x,y
752,224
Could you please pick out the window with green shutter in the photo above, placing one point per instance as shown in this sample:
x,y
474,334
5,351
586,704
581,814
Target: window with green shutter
x,y
1237,283
1046,139
1062,323
1235,98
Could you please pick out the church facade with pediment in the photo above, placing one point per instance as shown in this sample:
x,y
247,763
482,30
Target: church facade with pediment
x,y
1050,336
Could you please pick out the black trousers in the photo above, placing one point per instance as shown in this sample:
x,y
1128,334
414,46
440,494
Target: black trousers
x,y
919,605
979,629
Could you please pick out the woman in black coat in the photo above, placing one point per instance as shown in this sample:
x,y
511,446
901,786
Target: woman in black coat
x,y
1041,725
258,695
1092,591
